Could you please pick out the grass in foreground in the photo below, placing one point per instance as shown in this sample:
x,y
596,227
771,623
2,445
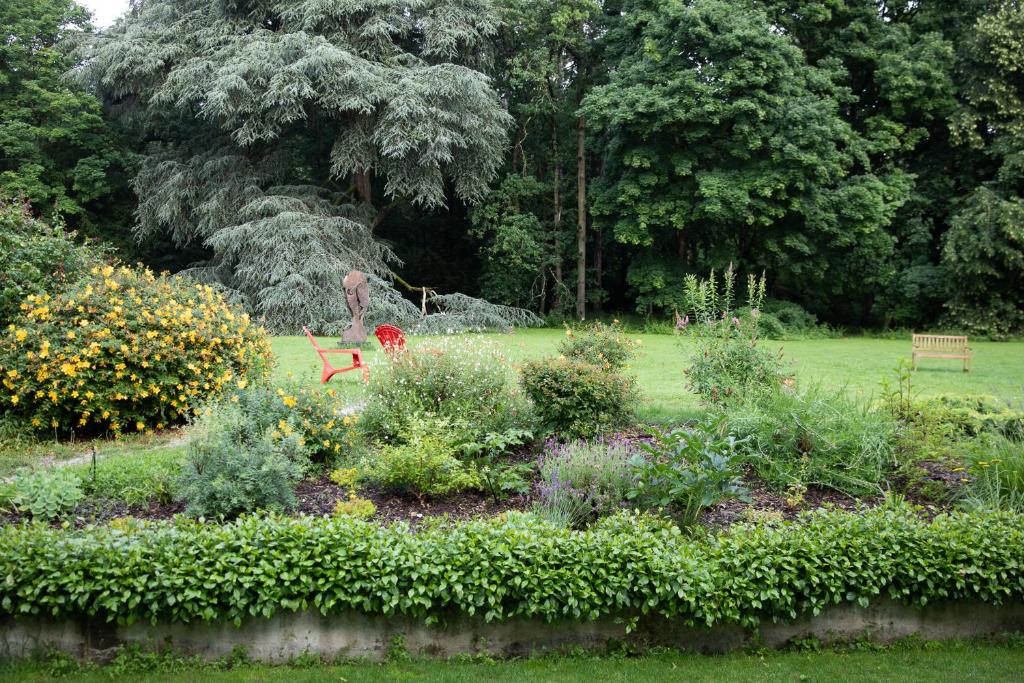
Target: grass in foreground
x,y
859,363
906,662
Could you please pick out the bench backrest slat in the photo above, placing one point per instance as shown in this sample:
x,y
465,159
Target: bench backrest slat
x,y
939,342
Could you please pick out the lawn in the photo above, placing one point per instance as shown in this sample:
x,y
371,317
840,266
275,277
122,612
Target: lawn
x,y
923,662
858,363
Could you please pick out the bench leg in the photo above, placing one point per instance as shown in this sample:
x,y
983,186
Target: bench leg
x,y
913,361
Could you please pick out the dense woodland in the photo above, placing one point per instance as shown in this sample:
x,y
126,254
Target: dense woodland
x,y
568,157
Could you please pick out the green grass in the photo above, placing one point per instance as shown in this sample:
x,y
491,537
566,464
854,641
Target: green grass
x,y
927,662
16,454
858,363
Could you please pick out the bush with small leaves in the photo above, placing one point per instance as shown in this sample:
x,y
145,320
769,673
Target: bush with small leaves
x,y
603,345
577,400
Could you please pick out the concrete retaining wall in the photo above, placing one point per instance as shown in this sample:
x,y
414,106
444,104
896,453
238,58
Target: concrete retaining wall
x,y
353,635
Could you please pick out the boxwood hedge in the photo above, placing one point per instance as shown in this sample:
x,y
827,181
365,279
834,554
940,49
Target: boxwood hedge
x,y
515,566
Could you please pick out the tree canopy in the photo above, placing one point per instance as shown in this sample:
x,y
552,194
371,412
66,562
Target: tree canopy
x,y
558,158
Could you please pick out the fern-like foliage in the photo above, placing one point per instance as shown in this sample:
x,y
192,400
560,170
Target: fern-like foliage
x,y
264,114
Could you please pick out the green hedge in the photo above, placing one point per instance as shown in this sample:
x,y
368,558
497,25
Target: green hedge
x,y
516,566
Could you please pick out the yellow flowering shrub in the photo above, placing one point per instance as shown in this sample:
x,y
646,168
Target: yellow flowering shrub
x,y
126,350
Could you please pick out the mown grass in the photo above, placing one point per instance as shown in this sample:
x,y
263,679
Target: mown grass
x,y
857,363
952,662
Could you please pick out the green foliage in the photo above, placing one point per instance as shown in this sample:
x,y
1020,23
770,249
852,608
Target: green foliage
x,y
134,479
688,469
577,400
975,415
996,471
237,463
470,387
728,361
57,150
599,344
123,349
425,465
725,140
583,480
814,436
516,566
46,494
36,258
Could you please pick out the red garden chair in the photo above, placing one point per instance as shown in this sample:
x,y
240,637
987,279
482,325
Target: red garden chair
x,y
329,370
391,339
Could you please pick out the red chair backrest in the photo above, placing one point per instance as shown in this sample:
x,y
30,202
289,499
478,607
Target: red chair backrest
x,y
391,338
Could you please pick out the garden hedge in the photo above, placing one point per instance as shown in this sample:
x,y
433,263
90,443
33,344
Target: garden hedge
x,y
515,566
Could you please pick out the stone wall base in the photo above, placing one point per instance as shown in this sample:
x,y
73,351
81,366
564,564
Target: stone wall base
x,y
288,635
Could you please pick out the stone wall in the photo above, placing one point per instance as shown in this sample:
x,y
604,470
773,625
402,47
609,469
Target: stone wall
x,y
354,635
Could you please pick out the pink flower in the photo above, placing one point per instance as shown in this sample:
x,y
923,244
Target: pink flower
x,y
736,321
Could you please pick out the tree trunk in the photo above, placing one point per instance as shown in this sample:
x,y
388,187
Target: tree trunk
x,y
598,264
581,222
556,223
363,187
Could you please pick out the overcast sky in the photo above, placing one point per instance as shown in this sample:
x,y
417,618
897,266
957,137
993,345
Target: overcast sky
x,y
105,11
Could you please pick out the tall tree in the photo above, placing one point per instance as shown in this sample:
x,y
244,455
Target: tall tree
x,y
278,129
722,143
984,248
533,234
56,150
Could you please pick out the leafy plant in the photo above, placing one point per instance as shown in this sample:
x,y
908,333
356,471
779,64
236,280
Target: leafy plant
x,y
688,469
577,400
583,480
46,494
37,258
468,386
353,506
184,571
599,344
502,481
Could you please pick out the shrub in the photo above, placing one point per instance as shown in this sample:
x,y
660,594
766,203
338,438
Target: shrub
x,y
728,361
582,480
511,567
688,469
996,470
355,507
816,437
238,464
577,400
124,349
46,494
469,387
975,415
135,478
36,258
425,465
602,345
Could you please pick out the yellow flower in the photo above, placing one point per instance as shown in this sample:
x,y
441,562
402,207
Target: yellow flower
x,y
289,401
20,335
15,399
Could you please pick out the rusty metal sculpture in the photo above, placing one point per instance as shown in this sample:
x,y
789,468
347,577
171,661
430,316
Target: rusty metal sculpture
x,y
357,296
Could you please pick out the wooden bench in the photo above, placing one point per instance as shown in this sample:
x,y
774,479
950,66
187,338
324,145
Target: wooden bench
x,y
941,346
